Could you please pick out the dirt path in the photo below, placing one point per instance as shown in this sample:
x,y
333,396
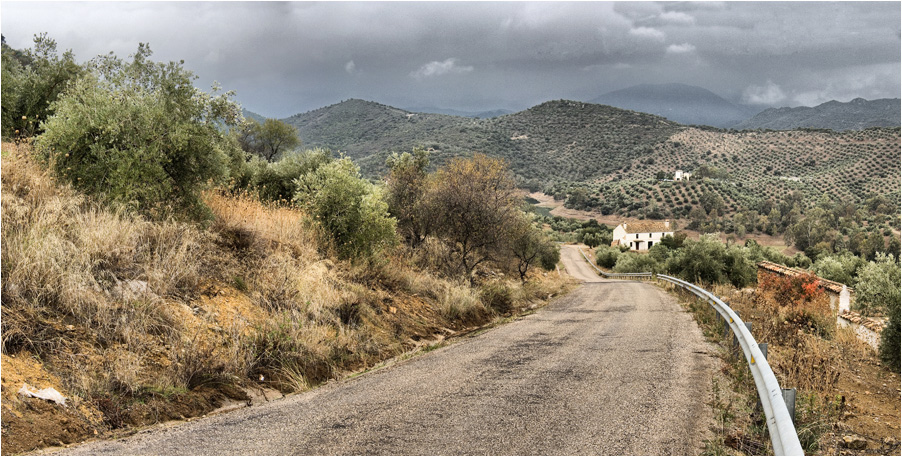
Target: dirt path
x,y
613,368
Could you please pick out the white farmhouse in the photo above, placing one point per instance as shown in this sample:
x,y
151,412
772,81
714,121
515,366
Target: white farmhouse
x,y
642,235
680,175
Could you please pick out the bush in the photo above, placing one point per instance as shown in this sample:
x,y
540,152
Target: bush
x,y
32,81
275,181
606,257
636,263
140,135
878,292
497,296
350,210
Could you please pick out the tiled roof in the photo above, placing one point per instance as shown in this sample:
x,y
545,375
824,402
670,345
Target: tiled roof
x,y
646,227
871,324
832,286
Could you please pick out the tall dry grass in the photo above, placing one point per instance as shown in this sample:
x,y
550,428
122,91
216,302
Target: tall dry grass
x,y
122,307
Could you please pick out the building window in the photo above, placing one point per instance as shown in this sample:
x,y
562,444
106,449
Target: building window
x,y
637,236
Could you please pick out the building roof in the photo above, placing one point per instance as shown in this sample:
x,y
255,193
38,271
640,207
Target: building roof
x,y
832,286
647,226
875,325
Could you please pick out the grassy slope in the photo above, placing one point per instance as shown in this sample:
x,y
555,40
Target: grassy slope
x,y
139,322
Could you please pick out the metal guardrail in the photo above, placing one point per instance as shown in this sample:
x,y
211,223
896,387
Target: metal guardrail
x,y
783,434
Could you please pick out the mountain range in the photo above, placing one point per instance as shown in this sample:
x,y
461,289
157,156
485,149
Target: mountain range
x,y
855,115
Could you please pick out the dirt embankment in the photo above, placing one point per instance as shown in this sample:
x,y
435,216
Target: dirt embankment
x,y
137,322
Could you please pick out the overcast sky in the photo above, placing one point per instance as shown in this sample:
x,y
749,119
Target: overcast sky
x,y
291,57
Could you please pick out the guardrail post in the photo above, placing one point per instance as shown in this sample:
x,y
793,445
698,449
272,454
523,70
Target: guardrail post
x,y
763,348
789,396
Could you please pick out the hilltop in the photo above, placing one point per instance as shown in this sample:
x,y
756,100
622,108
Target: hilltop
x,y
690,105
552,141
855,115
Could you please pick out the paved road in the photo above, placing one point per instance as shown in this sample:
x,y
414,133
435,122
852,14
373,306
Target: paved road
x,y
613,368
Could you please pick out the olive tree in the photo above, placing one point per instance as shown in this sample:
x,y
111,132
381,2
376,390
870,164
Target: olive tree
x,y
268,140
137,133
406,186
350,210
878,291
32,81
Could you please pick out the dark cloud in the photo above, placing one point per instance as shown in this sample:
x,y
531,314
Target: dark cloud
x,y
285,57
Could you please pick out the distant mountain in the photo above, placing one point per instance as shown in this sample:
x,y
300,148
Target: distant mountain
x,y
681,103
454,112
855,115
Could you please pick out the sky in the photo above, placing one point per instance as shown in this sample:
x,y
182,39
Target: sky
x,y
284,58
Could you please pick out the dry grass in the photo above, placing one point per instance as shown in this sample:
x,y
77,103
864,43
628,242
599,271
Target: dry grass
x,y
807,352
142,318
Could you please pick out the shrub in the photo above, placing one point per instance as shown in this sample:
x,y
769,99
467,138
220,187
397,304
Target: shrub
x,y
350,210
275,181
140,135
636,263
606,256
32,81
878,291
497,296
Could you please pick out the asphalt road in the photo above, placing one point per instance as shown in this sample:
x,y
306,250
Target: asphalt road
x,y
613,368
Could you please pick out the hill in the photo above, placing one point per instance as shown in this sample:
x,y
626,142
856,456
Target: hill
x,y
855,115
557,140
252,115
746,170
614,155
681,103
454,112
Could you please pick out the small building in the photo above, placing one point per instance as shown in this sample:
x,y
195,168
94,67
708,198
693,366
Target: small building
x,y
641,235
680,175
840,295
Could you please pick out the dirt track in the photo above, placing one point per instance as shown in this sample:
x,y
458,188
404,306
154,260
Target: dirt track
x,y
613,368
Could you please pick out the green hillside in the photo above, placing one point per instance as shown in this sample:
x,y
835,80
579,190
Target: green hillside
x,y
747,169
558,140
608,159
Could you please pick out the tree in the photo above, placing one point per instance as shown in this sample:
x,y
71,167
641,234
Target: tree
x,y
473,203
32,81
351,211
269,139
276,138
138,133
700,261
406,186
878,291
606,256
529,245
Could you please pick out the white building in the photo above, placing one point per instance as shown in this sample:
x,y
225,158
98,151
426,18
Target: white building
x,y
641,235
680,175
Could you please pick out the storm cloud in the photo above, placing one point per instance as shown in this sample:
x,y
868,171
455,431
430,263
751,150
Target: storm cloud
x,y
288,57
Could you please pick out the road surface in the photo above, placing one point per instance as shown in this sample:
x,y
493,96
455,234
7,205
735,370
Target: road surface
x,y
613,368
